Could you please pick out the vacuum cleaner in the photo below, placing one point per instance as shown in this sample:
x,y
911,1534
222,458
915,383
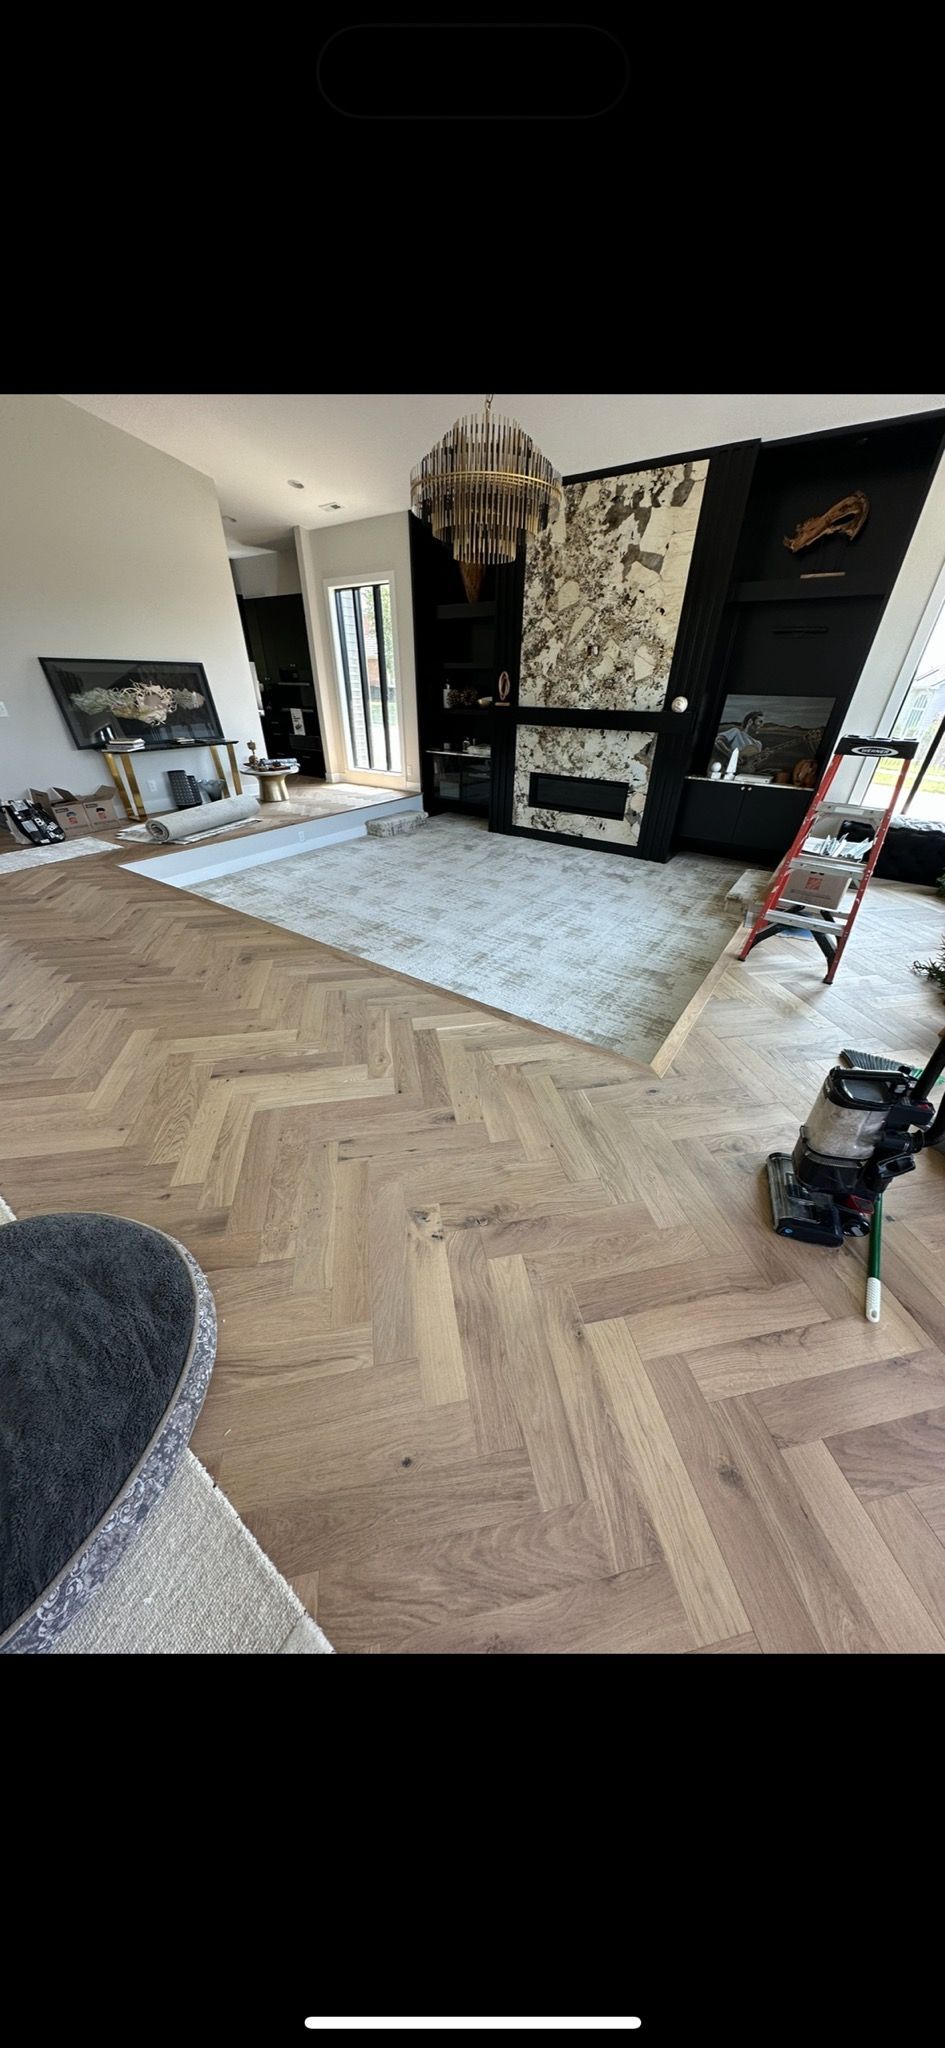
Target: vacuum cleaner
x,y
869,1121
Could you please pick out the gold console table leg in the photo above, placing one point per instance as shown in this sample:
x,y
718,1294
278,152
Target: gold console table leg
x,y
237,788
126,786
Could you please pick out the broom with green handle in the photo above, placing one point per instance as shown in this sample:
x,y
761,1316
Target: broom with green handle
x,y
874,1289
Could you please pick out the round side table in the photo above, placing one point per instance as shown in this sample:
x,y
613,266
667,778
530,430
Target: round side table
x,y
272,789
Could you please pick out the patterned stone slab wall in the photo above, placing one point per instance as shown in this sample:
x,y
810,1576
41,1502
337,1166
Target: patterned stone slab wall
x,y
604,589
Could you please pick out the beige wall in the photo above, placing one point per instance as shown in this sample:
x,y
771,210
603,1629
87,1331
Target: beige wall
x,y
107,548
364,549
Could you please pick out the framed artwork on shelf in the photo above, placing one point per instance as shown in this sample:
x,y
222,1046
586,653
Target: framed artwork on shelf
x,y
776,739
158,703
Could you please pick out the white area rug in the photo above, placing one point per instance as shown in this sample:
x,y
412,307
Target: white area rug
x,y
144,837
607,948
194,1583
318,803
40,856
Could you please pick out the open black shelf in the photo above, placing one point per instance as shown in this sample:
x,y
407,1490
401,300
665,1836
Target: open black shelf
x,y
778,590
467,646
800,625
483,610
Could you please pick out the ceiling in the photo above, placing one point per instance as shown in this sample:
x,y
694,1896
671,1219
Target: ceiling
x,y
359,449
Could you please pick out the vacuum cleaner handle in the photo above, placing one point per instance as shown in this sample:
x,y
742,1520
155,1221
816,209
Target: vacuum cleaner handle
x,y
930,1073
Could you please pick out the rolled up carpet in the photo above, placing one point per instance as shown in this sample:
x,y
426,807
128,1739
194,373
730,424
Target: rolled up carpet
x,y
186,824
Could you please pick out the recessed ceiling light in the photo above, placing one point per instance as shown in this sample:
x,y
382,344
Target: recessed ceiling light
x,y
296,486
332,506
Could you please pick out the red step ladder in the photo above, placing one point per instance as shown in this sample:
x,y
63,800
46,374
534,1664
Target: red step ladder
x,y
814,885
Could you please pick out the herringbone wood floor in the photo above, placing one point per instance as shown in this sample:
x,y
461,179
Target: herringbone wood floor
x,y
509,1357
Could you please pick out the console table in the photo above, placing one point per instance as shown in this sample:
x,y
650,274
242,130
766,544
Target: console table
x,y
127,783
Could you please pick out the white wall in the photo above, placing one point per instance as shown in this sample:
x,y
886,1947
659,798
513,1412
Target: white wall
x,y
269,573
107,549
363,549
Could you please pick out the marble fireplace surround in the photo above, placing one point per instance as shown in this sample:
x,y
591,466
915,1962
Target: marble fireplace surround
x,y
585,750
603,596
604,589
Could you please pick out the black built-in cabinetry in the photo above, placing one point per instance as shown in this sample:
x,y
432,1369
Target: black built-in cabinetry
x,y
464,646
276,637
803,624
757,621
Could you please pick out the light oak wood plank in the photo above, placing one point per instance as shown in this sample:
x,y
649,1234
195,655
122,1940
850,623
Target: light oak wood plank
x,y
743,1312
700,1574
637,1614
734,1506
481,1337
436,1333
534,1388
893,1457
890,1600
781,1357
384,1600
825,1588
915,1547
607,1469
854,1398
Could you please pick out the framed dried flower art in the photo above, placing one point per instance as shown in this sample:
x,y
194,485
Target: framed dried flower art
x,y
162,703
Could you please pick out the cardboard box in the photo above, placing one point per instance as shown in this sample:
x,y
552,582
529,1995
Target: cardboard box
x,y
810,885
82,813
105,806
72,818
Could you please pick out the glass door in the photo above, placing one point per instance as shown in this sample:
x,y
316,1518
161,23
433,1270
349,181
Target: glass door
x,y
364,652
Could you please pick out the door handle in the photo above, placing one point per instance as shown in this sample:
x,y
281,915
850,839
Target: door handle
x,y
679,704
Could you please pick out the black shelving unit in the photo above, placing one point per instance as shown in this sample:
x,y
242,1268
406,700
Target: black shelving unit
x,y
801,625
462,644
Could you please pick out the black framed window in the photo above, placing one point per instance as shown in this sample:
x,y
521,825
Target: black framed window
x,y
367,679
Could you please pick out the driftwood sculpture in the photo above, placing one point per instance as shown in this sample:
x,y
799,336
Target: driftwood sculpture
x,y
848,516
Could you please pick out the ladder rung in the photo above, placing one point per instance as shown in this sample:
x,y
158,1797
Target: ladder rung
x,y
808,919
827,862
849,810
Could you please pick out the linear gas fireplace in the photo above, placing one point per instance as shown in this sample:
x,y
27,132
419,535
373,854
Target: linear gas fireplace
x,y
581,781
585,794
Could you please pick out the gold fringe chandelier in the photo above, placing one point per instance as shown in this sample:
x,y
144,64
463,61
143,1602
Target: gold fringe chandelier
x,y
484,489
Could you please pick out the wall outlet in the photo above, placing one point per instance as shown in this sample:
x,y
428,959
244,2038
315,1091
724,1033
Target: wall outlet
x,y
151,786
4,713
